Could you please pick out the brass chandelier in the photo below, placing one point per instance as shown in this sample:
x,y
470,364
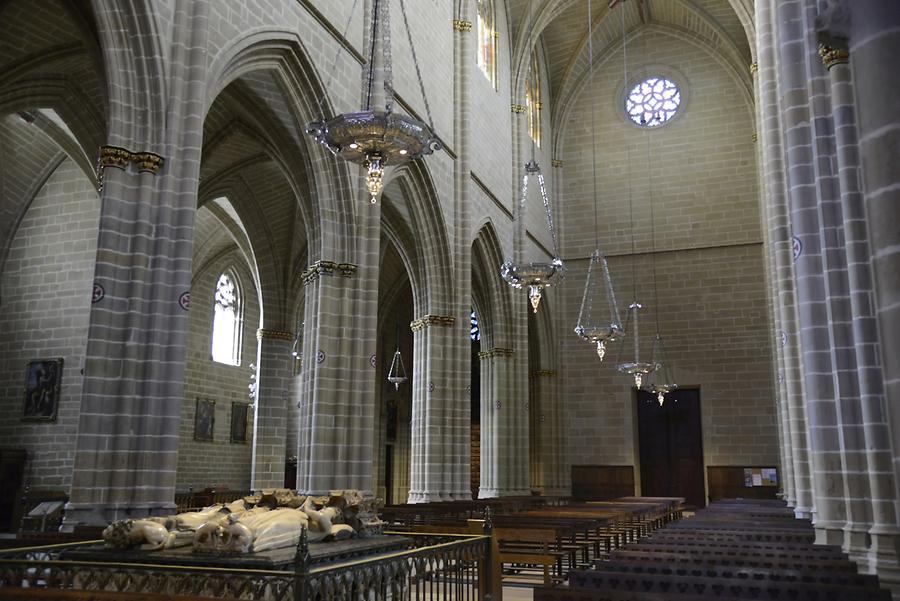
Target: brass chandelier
x,y
376,137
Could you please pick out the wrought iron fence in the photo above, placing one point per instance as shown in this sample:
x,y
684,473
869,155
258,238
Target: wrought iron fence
x,y
447,567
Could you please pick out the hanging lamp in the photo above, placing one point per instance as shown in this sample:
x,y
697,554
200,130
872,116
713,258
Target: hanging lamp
x,y
636,368
376,137
397,373
595,324
661,381
536,275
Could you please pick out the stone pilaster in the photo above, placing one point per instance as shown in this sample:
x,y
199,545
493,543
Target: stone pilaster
x,y
273,377
546,438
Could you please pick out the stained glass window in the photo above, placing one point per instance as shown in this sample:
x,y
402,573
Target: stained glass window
x,y
474,331
487,40
653,101
226,334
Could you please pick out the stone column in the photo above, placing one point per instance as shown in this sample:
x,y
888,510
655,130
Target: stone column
x,y
874,48
274,374
779,237
504,425
837,289
778,359
823,421
335,439
435,470
459,375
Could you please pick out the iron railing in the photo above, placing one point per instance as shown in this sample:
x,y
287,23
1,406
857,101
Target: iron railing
x,y
435,567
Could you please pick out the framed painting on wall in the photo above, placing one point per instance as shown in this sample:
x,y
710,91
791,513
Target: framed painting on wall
x,y
239,415
42,390
204,420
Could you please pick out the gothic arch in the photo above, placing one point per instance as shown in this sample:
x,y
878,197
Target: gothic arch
x,y
431,238
314,174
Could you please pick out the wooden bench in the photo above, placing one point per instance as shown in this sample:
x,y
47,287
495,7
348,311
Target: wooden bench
x,y
837,589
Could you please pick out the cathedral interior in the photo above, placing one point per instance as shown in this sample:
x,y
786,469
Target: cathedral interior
x,y
453,252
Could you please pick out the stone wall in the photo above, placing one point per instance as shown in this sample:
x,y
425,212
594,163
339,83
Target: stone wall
x,y
701,171
220,463
46,287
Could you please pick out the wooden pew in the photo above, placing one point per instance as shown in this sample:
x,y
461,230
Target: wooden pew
x,y
837,588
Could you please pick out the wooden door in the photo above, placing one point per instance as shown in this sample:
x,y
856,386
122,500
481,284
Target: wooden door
x,y
671,446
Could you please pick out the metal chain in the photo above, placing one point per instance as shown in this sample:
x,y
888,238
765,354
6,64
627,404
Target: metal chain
x,y
546,200
416,64
388,66
334,62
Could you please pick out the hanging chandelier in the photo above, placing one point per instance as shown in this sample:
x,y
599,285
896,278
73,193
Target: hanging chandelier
x,y
376,137
661,382
534,276
636,368
397,373
594,325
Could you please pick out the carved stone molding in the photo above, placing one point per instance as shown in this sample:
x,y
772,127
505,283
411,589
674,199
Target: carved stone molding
x,y
114,156
432,320
118,157
833,56
274,335
459,25
496,352
147,162
327,268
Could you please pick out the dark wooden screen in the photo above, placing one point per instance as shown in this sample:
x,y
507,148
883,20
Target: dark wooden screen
x,y
602,482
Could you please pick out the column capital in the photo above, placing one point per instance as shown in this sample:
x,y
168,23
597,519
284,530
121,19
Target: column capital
x,y
754,68
832,56
431,320
556,163
262,333
496,352
116,156
460,25
518,109
542,373
327,268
